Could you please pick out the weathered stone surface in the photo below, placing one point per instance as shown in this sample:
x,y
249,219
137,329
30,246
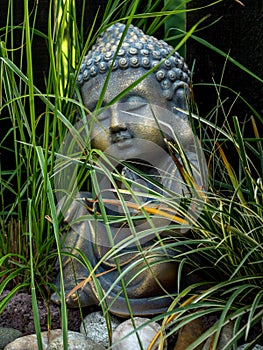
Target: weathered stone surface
x,y
76,341
189,333
7,335
94,327
30,341
121,341
54,341
126,137
225,336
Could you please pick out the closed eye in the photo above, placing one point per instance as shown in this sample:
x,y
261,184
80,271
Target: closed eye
x,y
135,103
137,109
135,99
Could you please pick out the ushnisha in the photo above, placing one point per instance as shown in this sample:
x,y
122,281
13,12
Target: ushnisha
x,y
138,50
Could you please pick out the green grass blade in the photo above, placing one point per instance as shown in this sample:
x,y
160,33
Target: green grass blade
x,y
52,205
33,289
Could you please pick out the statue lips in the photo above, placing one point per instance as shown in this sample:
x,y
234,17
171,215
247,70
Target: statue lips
x,y
121,137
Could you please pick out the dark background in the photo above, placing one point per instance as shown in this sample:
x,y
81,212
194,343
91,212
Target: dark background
x,y
238,32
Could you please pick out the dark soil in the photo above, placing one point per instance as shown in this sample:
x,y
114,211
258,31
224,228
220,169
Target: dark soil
x,y
18,315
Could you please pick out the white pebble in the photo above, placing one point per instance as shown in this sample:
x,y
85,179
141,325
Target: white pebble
x,y
120,340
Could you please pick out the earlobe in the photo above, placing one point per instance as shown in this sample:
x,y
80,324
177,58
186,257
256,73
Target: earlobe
x,y
180,95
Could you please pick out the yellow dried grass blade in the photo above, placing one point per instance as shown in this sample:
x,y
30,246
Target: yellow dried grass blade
x,y
148,209
231,174
158,334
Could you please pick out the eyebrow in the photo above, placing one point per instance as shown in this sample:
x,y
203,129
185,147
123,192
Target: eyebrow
x,y
136,91
91,105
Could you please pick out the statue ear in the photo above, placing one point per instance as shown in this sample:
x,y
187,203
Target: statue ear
x,y
181,93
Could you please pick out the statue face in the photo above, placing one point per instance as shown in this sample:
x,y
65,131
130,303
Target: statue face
x,y
132,116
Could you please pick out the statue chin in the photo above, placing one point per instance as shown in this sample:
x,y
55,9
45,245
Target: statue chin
x,y
124,240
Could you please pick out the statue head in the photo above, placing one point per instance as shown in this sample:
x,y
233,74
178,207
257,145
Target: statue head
x,y
166,84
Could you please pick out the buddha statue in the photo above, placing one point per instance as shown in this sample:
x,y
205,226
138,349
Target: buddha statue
x,y
123,239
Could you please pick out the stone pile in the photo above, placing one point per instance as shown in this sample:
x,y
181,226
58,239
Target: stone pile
x,y
92,333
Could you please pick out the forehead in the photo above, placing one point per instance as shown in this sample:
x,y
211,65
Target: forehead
x,y
149,88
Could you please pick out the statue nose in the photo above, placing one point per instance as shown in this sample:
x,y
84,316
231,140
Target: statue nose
x,y
116,120
119,130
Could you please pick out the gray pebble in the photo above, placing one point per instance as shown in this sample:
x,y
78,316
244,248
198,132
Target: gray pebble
x,y
53,340
256,347
76,341
7,335
94,327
